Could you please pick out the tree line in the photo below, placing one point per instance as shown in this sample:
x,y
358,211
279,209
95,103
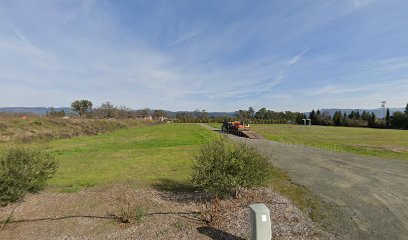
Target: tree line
x,y
85,109
262,116
399,120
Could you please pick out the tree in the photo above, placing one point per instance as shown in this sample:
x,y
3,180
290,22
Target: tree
x,y
123,112
251,112
371,121
358,116
108,110
159,114
387,118
145,112
406,109
312,116
82,107
300,117
399,120
352,115
365,116
53,113
261,113
338,118
318,117
241,114
344,122
204,115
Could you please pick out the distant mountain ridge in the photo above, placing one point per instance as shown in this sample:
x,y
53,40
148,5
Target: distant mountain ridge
x,y
35,110
379,112
68,110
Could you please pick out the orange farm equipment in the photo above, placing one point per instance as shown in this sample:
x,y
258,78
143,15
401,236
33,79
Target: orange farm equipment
x,y
238,128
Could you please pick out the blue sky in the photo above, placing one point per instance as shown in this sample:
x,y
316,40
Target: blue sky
x,y
214,55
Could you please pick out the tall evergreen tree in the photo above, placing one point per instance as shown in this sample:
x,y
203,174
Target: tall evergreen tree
x,y
337,118
312,116
365,116
371,122
358,116
387,118
344,122
406,109
318,117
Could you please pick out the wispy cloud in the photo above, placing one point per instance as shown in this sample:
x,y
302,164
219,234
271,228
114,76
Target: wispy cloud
x,y
198,55
186,37
297,58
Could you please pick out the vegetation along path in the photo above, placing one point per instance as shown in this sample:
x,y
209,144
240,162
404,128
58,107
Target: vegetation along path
x,y
367,197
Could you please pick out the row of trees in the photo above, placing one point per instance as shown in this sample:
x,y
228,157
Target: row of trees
x,y
268,115
54,113
84,108
399,120
263,115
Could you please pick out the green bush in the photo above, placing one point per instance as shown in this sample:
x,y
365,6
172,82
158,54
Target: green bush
x,y
24,170
222,168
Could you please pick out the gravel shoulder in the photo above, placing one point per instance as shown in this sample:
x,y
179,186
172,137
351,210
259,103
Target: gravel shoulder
x,y
169,215
366,197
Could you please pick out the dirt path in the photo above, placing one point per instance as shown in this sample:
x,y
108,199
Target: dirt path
x,y
367,197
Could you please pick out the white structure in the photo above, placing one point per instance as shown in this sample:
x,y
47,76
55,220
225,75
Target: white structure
x,y
307,121
260,217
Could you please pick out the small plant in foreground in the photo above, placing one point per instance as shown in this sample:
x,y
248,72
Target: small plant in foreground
x,y
24,170
130,214
222,168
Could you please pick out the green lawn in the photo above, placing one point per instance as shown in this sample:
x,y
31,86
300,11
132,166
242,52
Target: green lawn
x,y
139,156
215,125
157,156
382,143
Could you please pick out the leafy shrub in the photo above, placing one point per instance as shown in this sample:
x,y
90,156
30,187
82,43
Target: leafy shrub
x,y
222,168
24,170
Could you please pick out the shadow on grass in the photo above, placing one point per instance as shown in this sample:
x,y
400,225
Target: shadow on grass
x,y
182,192
217,234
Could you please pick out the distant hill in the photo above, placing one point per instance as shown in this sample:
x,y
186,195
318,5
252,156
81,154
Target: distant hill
x,y
44,110
35,110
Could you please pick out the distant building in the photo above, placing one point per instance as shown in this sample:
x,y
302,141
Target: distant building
x,y
162,119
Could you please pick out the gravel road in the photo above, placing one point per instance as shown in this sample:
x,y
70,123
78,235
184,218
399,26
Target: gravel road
x,y
367,197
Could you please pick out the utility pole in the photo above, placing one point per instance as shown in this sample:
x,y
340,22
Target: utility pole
x,y
383,106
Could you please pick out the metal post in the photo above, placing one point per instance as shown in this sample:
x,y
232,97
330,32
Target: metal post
x,y
261,228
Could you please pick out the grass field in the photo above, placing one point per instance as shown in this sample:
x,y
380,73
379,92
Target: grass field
x,y
139,156
384,143
215,125
144,156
